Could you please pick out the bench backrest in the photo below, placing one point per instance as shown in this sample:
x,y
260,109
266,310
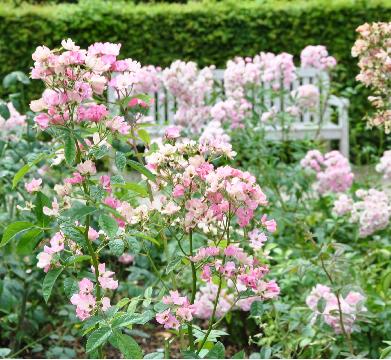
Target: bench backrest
x,y
165,105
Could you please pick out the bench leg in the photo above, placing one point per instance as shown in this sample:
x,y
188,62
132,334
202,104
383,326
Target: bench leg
x,y
344,142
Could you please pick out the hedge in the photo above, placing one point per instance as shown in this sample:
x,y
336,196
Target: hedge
x,y
207,32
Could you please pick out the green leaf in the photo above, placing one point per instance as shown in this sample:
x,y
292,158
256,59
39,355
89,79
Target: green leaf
x,y
117,179
386,281
79,212
15,77
140,189
144,136
142,170
265,352
188,354
127,345
120,160
26,168
98,338
120,304
16,101
257,308
321,305
217,352
41,200
4,352
99,152
70,287
145,237
239,355
89,324
14,230
117,247
173,264
28,241
70,150
4,111
48,282
108,225
133,305
124,320
77,259
97,193
134,245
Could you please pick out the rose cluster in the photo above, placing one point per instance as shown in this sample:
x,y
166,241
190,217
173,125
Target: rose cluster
x,y
11,128
251,83
348,308
75,78
371,211
317,57
306,96
85,301
384,166
179,311
223,190
373,50
333,172
213,201
190,87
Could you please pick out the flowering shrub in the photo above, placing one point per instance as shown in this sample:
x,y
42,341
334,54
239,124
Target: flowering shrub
x,y
12,127
371,211
373,50
331,307
191,87
90,214
213,203
333,172
317,57
384,166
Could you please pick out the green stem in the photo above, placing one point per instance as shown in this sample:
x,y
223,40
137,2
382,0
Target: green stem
x,y
94,257
166,349
157,273
212,319
193,291
344,332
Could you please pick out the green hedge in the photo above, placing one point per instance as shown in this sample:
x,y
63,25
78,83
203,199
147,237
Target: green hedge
x,y
207,32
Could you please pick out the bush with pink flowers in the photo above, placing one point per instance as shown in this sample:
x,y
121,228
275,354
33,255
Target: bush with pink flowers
x,y
195,239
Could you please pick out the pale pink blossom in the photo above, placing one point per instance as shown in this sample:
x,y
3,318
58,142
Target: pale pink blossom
x,y
92,234
126,258
86,168
106,278
172,132
33,186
